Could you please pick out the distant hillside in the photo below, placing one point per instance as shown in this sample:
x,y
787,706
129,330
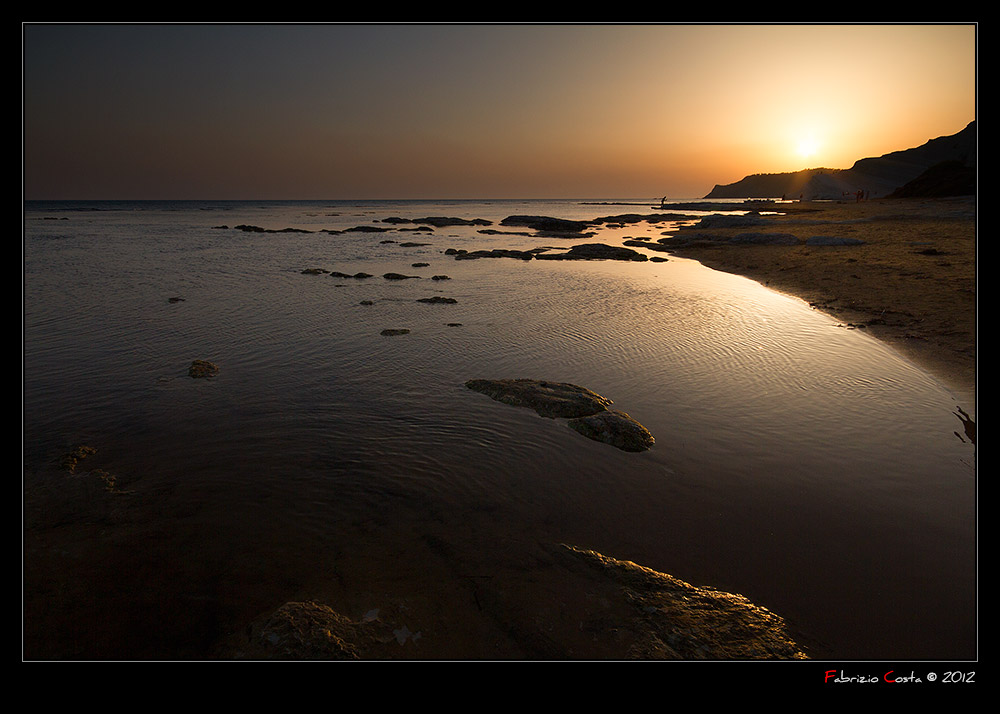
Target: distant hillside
x,y
880,176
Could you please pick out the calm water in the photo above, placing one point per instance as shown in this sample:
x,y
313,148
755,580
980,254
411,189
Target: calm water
x,y
799,463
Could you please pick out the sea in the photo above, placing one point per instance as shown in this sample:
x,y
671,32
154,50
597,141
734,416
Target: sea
x,y
800,463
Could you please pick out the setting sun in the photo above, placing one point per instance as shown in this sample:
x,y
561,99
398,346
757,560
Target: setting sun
x,y
807,147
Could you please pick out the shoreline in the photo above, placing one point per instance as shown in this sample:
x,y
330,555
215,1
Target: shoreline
x,y
911,284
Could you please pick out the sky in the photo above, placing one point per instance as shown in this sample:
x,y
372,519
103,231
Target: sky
x,y
409,111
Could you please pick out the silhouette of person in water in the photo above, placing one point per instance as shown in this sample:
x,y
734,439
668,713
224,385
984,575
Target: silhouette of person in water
x,y
663,202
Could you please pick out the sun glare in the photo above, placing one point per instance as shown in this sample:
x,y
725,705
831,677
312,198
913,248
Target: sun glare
x,y
807,147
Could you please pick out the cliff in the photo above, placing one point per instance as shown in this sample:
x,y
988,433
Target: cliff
x,y
879,176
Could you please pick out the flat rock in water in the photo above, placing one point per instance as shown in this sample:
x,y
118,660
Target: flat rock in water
x,y
549,399
438,300
595,251
615,428
589,413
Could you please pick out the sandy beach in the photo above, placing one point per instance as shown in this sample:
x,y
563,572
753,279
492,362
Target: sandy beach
x,y
911,284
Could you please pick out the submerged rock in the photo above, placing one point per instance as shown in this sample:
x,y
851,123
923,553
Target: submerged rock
x,y
389,332
549,399
615,428
399,276
202,368
71,460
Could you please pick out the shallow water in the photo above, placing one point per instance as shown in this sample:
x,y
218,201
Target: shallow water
x,y
804,465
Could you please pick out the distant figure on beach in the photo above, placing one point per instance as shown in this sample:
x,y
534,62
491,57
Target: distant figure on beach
x,y
663,202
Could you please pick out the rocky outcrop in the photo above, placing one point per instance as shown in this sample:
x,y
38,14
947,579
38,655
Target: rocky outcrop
x,y
949,178
877,176
613,609
675,620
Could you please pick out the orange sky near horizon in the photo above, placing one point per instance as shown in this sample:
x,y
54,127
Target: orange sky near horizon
x,y
474,111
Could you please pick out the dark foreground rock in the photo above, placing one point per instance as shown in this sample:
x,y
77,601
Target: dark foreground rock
x,y
309,631
588,412
608,609
680,621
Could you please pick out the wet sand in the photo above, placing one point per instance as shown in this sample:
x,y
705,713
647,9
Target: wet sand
x,y
911,284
